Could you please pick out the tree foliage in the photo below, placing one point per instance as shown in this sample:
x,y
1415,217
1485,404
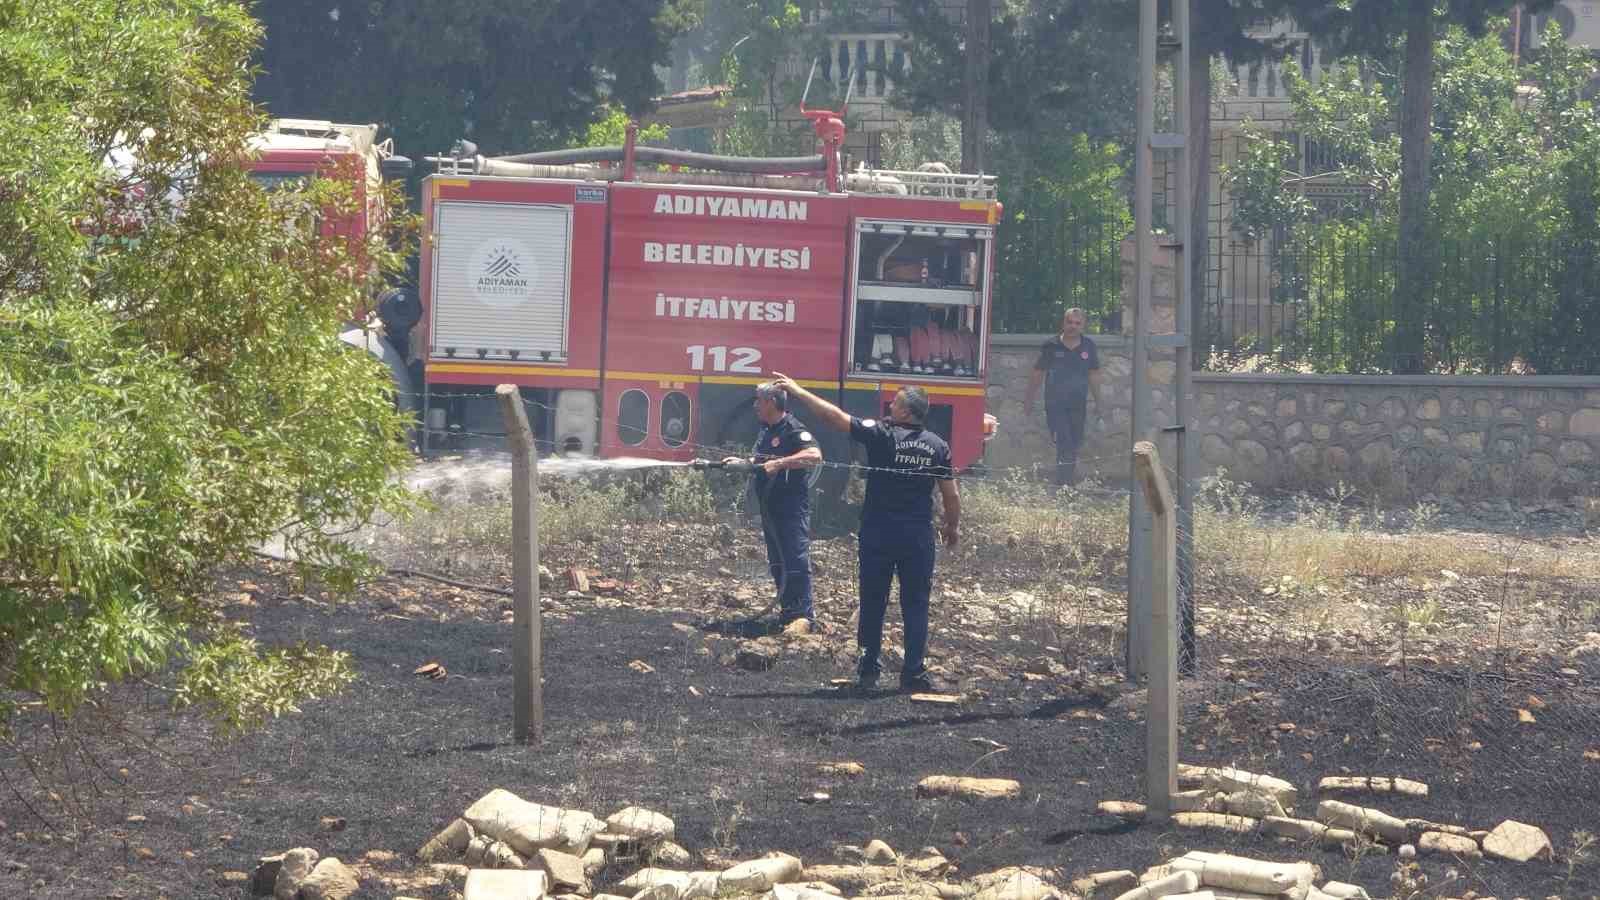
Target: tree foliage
x,y
172,389
1511,209
505,75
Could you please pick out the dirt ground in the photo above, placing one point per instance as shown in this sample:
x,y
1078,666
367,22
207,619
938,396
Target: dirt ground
x,y
165,808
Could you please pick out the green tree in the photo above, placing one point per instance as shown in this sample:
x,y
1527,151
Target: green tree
x,y
505,75
172,389
1511,206
1374,28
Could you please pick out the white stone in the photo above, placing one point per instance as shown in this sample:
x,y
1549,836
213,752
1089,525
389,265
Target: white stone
x,y
1509,840
1344,891
797,892
759,875
1230,779
1239,873
1011,884
529,827
297,865
594,859
450,842
504,884
329,880
1361,819
1449,845
879,852
1254,804
669,854
640,824
564,869
1165,886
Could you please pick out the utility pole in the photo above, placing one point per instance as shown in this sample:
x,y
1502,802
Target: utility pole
x,y
1140,601
1139,524
1183,326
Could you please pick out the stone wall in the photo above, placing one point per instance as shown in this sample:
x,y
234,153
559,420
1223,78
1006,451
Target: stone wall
x,y
1403,436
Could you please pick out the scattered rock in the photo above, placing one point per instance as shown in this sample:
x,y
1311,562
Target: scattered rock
x,y
1011,884
330,880
1363,820
1216,821
759,875
1239,873
1294,829
842,769
504,884
1449,844
937,699
1200,800
1255,804
797,892
1517,842
484,852
971,788
1166,885
263,883
578,580
878,852
641,824
669,854
755,657
1371,784
1418,827
1113,883
334,823
1342,891
431,670
1228,780
1123,809
564,869
594,859
851,879
642,667
449,843
529,827
798,628
233,879
293,869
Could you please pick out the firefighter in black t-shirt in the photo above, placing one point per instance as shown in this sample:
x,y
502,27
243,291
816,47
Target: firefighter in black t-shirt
x,y
783,452
904,463
1069,368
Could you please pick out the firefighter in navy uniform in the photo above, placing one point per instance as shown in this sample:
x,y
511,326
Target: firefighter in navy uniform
x,y
905,462
785,455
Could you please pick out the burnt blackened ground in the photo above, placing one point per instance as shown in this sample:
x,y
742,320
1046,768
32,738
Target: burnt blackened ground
x,y
729,754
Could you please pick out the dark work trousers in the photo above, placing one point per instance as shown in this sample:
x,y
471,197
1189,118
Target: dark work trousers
x,y
1066,428
885,551
787,528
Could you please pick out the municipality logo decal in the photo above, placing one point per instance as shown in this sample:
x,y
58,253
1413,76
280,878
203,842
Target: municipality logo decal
x,y
502,271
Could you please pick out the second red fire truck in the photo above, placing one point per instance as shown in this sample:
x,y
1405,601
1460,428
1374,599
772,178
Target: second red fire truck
x,y
636,294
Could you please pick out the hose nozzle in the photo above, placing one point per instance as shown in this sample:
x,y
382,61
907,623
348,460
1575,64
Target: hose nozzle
x,y
738,466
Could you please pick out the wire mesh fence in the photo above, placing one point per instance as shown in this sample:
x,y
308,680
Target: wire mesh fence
x,y
1432,668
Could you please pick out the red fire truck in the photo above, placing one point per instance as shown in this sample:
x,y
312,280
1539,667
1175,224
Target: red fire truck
x,y
291,151
636,294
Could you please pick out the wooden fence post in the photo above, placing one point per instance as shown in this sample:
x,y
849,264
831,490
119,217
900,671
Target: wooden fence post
x,y
1161,713
526,654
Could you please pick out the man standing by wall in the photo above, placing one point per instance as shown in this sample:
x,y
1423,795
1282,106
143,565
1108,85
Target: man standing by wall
x,y
784,449
1069,367
904,463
